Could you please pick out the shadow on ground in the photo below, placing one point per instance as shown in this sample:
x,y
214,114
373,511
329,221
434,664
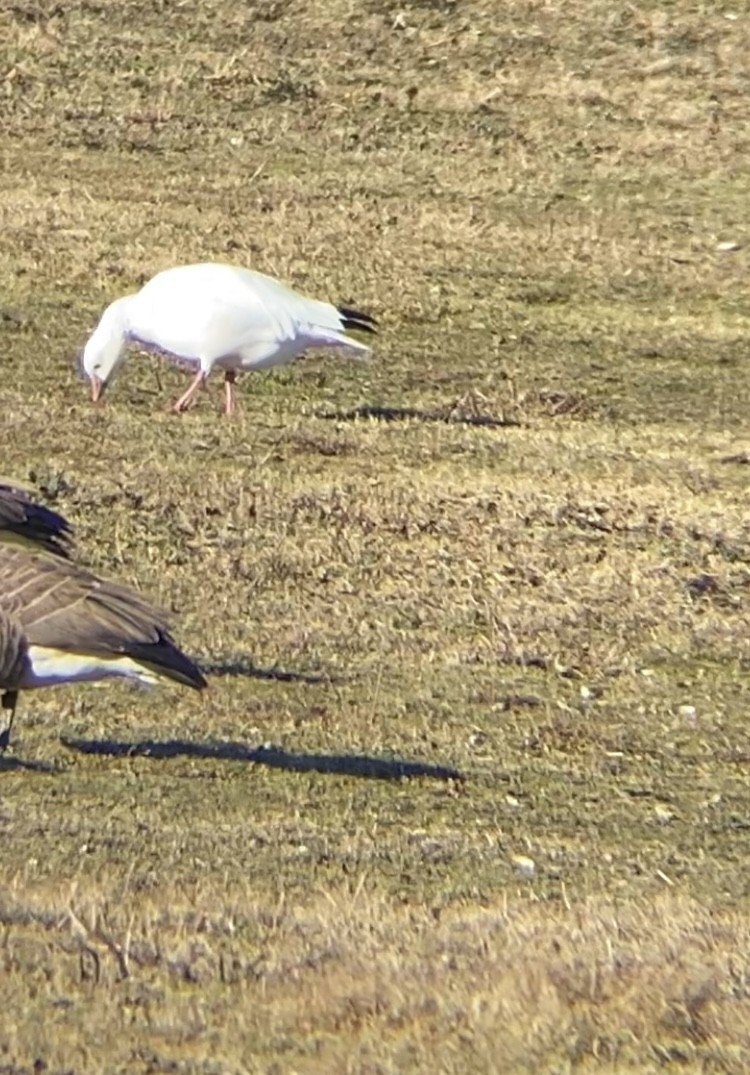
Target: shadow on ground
x,y
447,415
12,764
359,765
243,666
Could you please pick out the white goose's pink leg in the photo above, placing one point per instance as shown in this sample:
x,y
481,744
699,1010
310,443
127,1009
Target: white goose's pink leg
x,y
230,378
185,400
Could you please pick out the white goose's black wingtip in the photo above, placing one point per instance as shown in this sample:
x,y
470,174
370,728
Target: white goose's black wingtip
x,y
356,320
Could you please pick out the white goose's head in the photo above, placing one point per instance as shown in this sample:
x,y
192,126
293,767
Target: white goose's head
x,y
105,349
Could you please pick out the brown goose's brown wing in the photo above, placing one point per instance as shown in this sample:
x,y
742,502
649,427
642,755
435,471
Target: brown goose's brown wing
x,y
13,650
61,606
26,523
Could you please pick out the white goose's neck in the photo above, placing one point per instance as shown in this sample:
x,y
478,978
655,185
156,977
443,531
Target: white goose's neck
x,y
116,317
105,349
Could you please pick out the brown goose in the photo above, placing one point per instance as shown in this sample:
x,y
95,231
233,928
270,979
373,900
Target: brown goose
x,y
61,624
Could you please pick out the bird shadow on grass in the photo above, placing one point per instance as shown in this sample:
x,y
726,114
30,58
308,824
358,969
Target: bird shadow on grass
x,y
446,415
360,765
9,763
243,666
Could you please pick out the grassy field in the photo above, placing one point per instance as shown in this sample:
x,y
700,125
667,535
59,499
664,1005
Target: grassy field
x,y
469,789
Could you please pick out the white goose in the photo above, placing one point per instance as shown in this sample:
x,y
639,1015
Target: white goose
x,y
210,315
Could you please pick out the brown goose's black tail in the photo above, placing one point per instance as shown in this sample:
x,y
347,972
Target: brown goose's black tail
x,y
166,659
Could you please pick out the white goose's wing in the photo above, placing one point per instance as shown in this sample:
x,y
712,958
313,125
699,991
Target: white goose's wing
x,y
309,321
201,312
212,311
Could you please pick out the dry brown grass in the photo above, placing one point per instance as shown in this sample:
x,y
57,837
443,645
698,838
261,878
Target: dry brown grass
x,y
483,600
348,982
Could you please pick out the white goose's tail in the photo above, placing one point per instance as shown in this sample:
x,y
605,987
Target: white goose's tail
x,y
351,320
307,322
326,325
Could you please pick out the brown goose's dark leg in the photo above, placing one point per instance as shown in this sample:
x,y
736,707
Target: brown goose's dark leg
x,y
8,701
